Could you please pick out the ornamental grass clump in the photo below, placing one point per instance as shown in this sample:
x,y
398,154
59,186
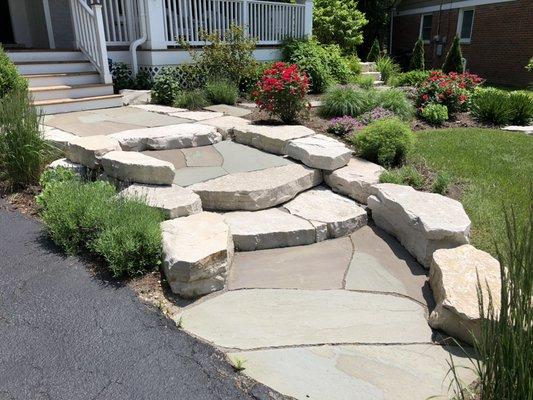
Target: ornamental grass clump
x,y
342,126
346,100
282,92
222,92
491,106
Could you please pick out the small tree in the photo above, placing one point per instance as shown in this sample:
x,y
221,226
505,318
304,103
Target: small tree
x,y
375,51
454,58
417,59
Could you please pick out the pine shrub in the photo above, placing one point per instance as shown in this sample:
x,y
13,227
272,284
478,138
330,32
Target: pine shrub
x,y
454,58
417,59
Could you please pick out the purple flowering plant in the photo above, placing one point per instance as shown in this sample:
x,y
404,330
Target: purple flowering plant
x,y
341,126
374,115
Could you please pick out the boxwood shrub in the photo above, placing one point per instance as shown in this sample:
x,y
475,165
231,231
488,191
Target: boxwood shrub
x,y
10,79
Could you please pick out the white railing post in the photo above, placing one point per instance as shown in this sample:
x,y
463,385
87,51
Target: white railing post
x,y
246,17
308,19
96,6
155,18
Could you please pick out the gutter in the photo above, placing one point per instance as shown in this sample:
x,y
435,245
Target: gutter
x,y
136,43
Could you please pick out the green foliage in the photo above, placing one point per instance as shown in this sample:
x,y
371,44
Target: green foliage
x,y
221,92
122,76
491,105
249,82
375,51
396,101
529,65
190,99
143,80
347,100
89,216
54,175
406,175
323,64
435,114
387,67
411,78
441,183
454,58
386,141
338,22
10,79
165,86
23,150
354,64
418,62
521,107
364,81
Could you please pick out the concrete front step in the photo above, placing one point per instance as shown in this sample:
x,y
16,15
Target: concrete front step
x,y
64,105
66,78
71,91
368,67
50,67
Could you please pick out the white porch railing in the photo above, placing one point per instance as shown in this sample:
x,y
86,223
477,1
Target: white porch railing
x,y
121,21
90,38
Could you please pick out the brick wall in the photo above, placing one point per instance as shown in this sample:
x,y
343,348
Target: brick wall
x,y
501,45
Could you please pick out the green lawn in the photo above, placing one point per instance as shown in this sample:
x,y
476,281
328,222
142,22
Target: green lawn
x,y
496,168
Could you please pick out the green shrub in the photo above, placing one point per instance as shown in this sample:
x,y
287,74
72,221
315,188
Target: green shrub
x,y
406,175
143,80
59,174
529,65
165,86
386,141
411,78
249,82
375,51
222,92
10,79
338,22
346,100
354,64
364,81
23,150
491,105
454,58
122,76
387,67
418,62
396,101
442,183
435,114
521,107
191,99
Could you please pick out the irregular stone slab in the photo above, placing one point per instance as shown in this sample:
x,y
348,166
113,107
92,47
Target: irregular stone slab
x,y
205,156
341,215
394,372
67,164
528,130
157,108
229,110
197,251
167,137
57,137
319,151
241,158
381,264
422,222
132,96
173,156
300,267
89,150
355,179
453,277
144,118
131,166
174,200
95,128
256,190
197,115
226,124
257,318
268,229
191,175
272,139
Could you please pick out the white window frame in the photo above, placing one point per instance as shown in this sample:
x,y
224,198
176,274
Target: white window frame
x,y
422,26
460,24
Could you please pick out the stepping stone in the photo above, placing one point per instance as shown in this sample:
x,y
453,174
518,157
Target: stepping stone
x,y
197,251
88,150
453,277
131,166
191,175
528,130
167,137
174,201
241,158
268,229
205,156
365,372
67,164
300,267
336,215
226,124
258,318
84,129
256,190
247,105
320,152
145,118
355,179
197,115
173,156
229,110
272,139
132,96
57,137
423,222
158,108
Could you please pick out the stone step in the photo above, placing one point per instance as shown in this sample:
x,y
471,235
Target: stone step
x,y
368,67
319,151
374,75
64,105
256,190
129,166
272,139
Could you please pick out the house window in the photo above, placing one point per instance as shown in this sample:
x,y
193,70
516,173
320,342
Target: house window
x,y
425,27
465,24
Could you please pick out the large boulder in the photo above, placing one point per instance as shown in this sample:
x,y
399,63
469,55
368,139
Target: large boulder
x,y
272,139
319,151
422,222
88,150
57,137
453,277
197,251
355,179
131,166
256,190
177,136
175,201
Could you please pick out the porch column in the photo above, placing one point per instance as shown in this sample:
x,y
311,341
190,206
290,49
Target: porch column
x,y
155,25
308,19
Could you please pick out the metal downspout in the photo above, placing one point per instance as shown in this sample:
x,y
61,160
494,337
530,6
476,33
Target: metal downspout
x,y
136,43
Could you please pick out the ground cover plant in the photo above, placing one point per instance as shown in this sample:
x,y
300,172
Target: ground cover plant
x,y
342,126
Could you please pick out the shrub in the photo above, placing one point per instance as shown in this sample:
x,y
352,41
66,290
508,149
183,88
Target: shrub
x,y
282,91
364,81
122,76
386,142
375,51
406,175
190,99
491,105
222,92
396,101
23,150
387,67
10,79
354,64
442,183
165,86
346,100
454,58
374,115
418,62
411,78
342,126
249,82
521,107
59,174
435,114
529,65
143,80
